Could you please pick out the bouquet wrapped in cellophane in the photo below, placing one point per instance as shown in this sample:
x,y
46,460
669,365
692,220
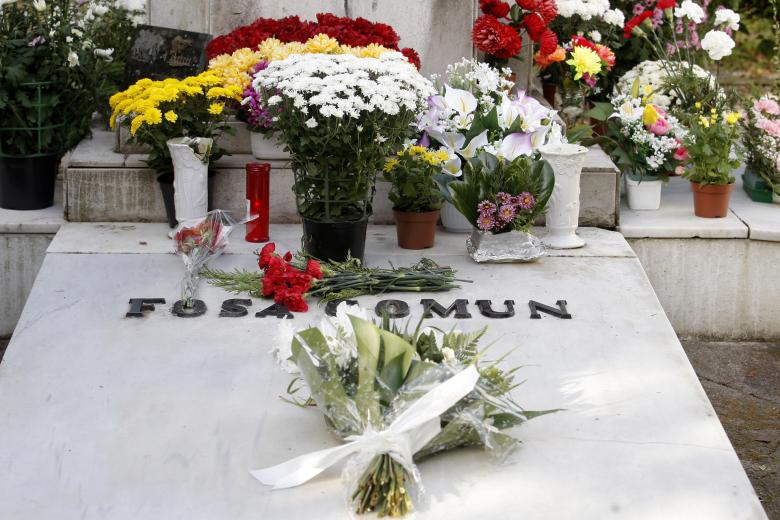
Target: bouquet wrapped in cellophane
x,y
198,241
394,397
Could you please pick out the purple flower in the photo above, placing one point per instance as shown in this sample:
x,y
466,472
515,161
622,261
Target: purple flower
x,y
257,116
485,222
486,207
38,40
589,80
638,8
503,197
525,200
506,212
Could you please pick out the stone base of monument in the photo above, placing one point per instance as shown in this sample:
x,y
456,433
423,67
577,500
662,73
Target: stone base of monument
x,y
159,416
103,185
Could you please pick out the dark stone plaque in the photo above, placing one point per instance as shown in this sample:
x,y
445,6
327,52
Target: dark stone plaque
x,y
160,52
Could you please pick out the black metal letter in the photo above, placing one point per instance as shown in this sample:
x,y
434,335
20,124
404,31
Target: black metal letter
x,y
392,309
235,308
485,307
278,310
561,312
198,309
330,307
139,305
459,306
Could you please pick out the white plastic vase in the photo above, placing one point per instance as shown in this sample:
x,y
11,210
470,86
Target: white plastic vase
x,y
265,149
563,210
644,195
190,176
453,220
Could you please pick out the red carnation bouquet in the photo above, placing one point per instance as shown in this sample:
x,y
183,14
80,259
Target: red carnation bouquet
x,y
289,279
357,32
197,241
497,31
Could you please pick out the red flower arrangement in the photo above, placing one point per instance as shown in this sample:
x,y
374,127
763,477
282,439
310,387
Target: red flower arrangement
x,y
635,22
285,283
496,32
666,4
356,32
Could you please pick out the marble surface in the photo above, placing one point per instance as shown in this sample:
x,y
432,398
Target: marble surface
x,y
46,221
675,218
157,418
763,219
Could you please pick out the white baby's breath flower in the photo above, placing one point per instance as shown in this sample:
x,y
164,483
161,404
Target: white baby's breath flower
x,y
691,11
718,44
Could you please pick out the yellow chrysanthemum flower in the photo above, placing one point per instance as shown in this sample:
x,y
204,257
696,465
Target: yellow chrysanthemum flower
x,y
704,122
733,117
650,115
372,51
390,165
216,108
267,47
697,105
171,116
584,61
153,116
136,124
322,44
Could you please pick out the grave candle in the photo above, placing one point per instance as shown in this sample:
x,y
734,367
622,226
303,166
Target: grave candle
x,y
257,201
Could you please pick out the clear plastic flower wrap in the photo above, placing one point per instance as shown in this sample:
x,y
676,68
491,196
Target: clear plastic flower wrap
x,y
395,398
197,241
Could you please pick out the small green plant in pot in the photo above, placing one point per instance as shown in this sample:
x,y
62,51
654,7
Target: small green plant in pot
x,y
503,199
713,154
340,117
415,195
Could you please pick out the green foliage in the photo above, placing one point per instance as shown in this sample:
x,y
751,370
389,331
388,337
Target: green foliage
x,y
485,176
712,145
52,47
411,173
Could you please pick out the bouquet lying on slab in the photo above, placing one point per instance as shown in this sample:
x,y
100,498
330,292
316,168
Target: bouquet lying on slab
x,y
394,397
289,278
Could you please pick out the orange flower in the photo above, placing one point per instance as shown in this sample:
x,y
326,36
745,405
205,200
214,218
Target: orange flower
x,y
606,55
544,61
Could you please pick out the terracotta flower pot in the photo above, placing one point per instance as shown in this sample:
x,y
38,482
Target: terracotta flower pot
x,y
416,230
711,200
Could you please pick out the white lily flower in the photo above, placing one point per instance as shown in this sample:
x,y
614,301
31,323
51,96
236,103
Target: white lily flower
x,y
450,140
508,111
515,145
538,136
39,5
475,144
459,100
453,166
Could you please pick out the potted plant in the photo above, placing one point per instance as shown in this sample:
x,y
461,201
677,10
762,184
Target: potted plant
x,y
52,79
645,143
160,111
761,137
502,199
477,110
340,117
712,157
415,195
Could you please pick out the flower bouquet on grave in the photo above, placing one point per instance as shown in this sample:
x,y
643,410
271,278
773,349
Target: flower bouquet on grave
x,y
502,199
394,398
761,135
289,278
197,241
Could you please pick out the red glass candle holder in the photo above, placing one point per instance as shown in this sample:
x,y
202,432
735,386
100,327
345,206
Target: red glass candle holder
x,y
258,180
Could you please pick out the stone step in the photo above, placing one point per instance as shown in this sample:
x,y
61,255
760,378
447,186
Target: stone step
x,y
102,185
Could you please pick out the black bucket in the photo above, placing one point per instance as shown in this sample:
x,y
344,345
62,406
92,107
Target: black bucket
x,y
335,240
27,183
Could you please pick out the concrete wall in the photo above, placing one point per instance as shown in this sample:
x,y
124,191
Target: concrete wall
x,y
721,289
440,30
21,256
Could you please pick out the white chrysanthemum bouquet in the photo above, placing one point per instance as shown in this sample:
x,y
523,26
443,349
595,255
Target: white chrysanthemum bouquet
x,y
394,397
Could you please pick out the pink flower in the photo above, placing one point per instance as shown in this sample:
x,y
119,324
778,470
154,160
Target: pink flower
x,y
681,154
506,212
768,106
679,170
486,207
525,200
661,127
770,127
503,197
485,222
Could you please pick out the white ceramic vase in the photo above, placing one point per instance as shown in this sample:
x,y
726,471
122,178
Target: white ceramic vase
x,y
266,149
644,195
190,176
453,220
563,210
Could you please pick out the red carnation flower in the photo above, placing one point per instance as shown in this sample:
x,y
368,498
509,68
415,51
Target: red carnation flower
x,y
314,269
294,302
535,25
494,38
633,23
287,256
548,42
548,10
666,4
495,8
412,56
265,254
529,5
579,41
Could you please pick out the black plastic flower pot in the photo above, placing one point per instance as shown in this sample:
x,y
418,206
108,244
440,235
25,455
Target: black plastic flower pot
x,y
166,188
27,183
335,240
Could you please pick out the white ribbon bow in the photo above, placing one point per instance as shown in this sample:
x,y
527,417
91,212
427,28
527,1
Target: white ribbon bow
x,y
408,434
